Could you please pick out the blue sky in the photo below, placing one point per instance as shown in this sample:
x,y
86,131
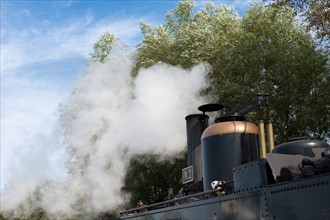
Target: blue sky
x,y
44,49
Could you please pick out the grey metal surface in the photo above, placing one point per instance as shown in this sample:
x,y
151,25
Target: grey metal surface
x,y
302,199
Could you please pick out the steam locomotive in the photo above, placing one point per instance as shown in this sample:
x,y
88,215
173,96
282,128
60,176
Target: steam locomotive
x,y
233,174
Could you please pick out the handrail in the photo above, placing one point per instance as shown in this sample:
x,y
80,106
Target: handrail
x,y
167,201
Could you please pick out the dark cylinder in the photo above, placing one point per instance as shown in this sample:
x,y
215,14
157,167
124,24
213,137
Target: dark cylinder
x,y
196,124
301,146
226,145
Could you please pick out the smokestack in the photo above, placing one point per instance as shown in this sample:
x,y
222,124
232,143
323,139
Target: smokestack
x,y
196,124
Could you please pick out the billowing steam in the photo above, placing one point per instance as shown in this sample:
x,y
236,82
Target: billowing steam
x,y
109,117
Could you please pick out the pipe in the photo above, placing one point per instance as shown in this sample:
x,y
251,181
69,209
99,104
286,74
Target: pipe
x,y
270,132
262,141
270,136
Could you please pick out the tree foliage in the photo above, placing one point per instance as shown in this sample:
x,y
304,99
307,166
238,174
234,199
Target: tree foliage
x,y
263,51
315,12
103,46
150,176
29,209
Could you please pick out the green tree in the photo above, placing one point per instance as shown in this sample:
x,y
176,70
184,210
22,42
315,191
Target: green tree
x,y
149,177
103,46
315,12
280,57
318,16
266,50
187,38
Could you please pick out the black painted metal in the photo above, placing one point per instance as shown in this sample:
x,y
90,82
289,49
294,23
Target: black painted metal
x,y
221,153
196,124
303,199
210,108
251,176
301,147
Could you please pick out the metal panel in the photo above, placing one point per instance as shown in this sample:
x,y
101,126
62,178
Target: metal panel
x,y
250,176
306,199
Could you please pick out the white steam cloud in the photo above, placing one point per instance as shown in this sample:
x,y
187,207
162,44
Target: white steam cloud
x,y
109,117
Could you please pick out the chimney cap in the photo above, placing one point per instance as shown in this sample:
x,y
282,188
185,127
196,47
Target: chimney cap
x,y
210,107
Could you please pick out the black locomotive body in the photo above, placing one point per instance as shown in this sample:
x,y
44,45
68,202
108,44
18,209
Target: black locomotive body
x,y
230,175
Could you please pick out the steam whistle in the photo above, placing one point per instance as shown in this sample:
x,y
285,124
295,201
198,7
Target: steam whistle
x,y
261,126
270,136
262,139
270,132
263,100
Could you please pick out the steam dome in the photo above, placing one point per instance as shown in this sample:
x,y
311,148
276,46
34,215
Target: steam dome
x,y
225,145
